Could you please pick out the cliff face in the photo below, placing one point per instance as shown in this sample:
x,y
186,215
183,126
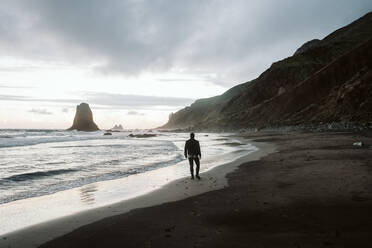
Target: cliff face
x,y
324,81
83,120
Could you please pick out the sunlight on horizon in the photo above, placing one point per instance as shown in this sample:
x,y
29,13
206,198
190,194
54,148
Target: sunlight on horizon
x,y
45,95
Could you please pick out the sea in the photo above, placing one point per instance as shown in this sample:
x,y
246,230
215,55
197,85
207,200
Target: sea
x,y
35,163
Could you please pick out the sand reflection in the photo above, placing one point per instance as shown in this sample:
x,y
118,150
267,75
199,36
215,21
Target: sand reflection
x,y
87,194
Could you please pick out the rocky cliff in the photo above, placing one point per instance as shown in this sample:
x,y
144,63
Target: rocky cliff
x,y
326,80
83,120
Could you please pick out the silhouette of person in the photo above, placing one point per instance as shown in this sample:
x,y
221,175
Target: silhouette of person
x,y
192,152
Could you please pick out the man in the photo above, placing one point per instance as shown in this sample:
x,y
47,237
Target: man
x,y
192,152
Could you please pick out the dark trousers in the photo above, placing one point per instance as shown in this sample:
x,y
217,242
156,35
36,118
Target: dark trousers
x,y
197,162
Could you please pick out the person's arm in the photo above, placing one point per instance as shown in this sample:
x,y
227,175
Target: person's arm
x,y
199,152
185,150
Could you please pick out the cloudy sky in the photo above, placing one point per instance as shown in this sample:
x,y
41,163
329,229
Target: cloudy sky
x,y
135,61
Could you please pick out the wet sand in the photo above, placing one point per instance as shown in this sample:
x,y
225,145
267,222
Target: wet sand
x,y
316,191
177,189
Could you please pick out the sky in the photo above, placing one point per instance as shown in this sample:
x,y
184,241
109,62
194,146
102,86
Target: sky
x,y
136,61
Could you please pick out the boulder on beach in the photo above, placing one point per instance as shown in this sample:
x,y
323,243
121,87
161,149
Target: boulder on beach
x,y
83,120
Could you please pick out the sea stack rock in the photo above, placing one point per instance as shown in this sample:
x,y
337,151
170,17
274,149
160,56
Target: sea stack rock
x,y
117,128
83,120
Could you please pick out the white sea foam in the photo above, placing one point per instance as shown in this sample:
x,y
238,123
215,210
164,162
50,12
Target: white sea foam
x,y
40,162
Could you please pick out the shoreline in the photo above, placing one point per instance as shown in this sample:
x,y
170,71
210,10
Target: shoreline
x,y
179,189
315,191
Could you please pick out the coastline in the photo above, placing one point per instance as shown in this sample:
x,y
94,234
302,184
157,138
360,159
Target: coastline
x,y
315,191
179,189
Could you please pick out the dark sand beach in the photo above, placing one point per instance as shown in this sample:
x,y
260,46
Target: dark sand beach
x,y
316,191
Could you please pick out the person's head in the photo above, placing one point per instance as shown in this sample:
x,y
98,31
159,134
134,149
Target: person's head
x,y
192,135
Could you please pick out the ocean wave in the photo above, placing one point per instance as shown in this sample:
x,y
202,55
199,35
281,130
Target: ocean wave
x,y
43,140
77,182
6,137
93,146
36,175
30,141
232,144
41,130
18,138
73,159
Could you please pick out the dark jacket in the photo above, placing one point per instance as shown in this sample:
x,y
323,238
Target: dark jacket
x,y
192,148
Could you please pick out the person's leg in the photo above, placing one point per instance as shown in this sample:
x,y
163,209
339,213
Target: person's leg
x,y
197,162
191,161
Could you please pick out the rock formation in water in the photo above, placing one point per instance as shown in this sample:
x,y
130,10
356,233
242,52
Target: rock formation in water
x,y
144,135
83,120
325,81
117,128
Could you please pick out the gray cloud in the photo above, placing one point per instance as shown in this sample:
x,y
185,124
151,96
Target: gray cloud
x,y
19,98
224,42
15,87
65,110
14,98
136,101
177,79
108,100
134,113
40,111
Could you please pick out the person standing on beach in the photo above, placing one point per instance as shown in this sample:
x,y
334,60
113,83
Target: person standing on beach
x,y
192,152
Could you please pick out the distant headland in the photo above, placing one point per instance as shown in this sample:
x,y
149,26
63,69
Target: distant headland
x,y
325,82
